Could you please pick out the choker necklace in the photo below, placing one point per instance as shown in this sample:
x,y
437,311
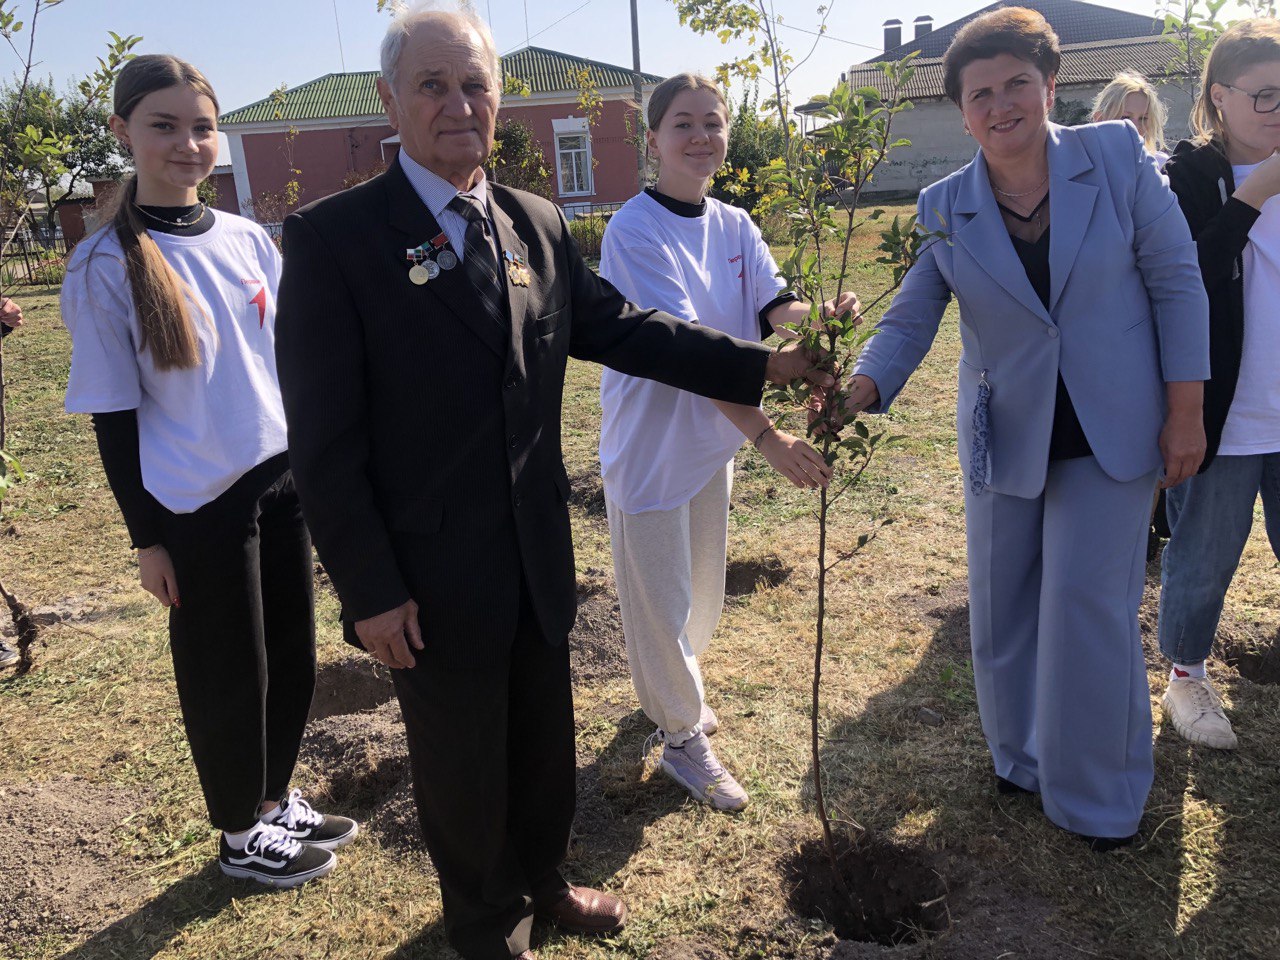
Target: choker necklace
x,y
199,215
1025,193
1033,216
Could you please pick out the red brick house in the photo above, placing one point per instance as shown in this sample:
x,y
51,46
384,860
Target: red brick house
x,y
342,133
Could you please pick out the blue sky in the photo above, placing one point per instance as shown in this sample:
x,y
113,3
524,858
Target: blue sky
x,y
249,47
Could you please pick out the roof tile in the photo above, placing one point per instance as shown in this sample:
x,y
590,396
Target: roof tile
x,y
1073,20
355,94
1082,63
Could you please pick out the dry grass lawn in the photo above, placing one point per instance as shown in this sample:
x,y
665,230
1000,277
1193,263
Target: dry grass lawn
x,y
105,852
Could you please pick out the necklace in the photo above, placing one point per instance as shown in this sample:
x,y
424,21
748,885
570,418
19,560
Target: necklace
x,y
1034,215
199,215
1025,193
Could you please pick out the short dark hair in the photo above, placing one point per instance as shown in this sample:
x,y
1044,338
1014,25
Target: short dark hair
x,y
1024,33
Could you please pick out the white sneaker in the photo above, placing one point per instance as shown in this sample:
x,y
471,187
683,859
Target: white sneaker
x,y
710,723
1193,706
694,766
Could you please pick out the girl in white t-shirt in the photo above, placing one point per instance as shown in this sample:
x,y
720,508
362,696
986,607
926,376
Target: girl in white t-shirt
x,y
666,456
1227,180
171,308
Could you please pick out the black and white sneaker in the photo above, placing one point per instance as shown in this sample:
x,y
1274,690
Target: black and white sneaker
x,y
9,657
273,857
306,825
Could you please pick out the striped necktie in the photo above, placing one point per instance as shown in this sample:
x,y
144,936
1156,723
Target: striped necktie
x,y
479,261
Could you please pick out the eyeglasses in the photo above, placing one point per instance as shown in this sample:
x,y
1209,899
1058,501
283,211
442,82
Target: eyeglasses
x,y
1266,100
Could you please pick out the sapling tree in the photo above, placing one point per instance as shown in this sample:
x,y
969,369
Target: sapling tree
x,y
818,189
31,155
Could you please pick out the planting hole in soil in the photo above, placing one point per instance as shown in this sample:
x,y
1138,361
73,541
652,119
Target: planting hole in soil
x,y
890,894
1256,658
742,576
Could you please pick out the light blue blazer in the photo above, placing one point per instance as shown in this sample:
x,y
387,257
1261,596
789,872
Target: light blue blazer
x,y
1127,309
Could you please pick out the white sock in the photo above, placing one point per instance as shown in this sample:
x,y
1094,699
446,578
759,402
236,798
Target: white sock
x,y
1181,671
236,841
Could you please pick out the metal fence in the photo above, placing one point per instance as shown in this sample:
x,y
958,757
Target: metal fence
x,y
586,224
34,259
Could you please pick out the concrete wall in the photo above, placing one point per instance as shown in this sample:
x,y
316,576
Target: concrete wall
x,y
939,145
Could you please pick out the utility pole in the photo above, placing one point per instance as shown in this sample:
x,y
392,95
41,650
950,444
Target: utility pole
x,y
638,94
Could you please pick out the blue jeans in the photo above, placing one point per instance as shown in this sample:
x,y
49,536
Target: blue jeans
x,y
1211,516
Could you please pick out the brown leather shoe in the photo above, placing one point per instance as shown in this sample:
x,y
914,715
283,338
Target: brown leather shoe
x,y
583,910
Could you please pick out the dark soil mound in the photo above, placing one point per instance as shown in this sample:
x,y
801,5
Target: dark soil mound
x,y
60,860
744,575
586,492
354,684
1249,650
597,648
890,894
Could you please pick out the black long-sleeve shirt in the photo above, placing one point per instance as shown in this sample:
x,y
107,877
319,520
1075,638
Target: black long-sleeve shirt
x,y
117,431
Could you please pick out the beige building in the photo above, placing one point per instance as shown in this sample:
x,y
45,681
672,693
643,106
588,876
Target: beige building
x,y
1097,42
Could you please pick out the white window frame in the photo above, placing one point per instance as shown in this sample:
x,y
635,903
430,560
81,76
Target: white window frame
x,y
574,127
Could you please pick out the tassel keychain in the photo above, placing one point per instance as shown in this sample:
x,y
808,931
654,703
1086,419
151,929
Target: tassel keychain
x,y
979,461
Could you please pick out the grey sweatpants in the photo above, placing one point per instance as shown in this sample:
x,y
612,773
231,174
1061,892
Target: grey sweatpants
x,y
669,567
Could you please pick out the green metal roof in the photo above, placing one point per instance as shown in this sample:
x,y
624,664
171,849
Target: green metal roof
x,y
355,94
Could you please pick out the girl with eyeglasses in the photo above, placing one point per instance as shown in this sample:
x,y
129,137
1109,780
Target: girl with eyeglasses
x,y
1226,179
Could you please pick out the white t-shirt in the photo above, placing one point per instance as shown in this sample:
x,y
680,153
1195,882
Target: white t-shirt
x,y
199,430
659,445
1253,423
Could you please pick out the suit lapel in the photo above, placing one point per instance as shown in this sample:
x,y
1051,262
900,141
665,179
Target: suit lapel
x,y
517,296
409,215
980,230
1070,206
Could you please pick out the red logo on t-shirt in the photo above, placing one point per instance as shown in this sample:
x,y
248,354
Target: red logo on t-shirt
x,y
260,299
738,259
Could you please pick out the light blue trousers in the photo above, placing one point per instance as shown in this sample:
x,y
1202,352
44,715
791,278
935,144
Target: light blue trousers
x,y
1054,588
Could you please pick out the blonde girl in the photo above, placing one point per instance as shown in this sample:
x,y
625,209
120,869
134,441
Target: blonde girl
x,y
1130,96
666,456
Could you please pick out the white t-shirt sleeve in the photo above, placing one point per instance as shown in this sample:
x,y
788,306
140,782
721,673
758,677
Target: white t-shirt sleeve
x,y
104,360
643,273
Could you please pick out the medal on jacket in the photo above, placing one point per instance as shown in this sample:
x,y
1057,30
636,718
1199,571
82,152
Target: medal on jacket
x,y
517,271
419,266
427,260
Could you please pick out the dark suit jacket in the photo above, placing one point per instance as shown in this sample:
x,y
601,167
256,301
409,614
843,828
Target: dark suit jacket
x,y
424,436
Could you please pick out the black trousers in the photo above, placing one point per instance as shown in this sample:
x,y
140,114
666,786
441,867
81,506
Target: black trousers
x,y
243,639
492,751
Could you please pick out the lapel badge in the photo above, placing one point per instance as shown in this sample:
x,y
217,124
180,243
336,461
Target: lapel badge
x,y
517,272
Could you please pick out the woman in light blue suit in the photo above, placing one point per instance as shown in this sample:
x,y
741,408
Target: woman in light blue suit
x,y
1084,327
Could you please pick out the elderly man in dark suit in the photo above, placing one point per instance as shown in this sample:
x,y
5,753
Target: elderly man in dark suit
x,y
425,319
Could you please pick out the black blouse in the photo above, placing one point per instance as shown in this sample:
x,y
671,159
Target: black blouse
x,y
1067,440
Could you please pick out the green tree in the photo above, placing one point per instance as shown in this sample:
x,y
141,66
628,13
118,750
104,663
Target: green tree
x,y
518,159
94,151
756,22
30,152
755,140
817,188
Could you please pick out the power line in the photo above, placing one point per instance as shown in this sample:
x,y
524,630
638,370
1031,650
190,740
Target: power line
x,y
338,26
827,36
547,27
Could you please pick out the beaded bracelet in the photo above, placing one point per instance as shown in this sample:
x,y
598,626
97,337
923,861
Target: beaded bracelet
x,y
760,436
148,551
